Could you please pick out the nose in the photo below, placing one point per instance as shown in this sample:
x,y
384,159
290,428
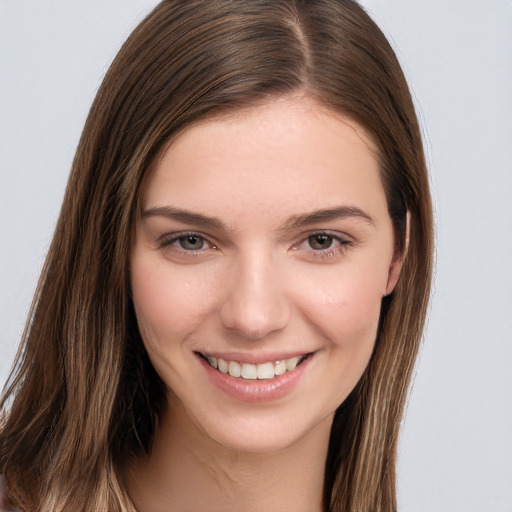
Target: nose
x,y
255,305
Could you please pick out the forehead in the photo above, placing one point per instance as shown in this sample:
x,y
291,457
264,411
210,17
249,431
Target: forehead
x,y
283,157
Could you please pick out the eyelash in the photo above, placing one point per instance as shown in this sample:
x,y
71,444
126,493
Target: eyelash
x,y
340,243
168,241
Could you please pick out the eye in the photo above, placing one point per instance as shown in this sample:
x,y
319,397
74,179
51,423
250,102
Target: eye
x,y
320,241
182,245
191,242
323,246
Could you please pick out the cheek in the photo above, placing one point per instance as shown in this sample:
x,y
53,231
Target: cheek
x,y
346,309
169,305
346,314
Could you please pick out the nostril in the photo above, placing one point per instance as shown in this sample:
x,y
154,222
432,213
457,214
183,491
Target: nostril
x,y
254,304
256,318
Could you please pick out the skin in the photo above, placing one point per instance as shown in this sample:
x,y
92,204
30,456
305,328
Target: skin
x,y
263,280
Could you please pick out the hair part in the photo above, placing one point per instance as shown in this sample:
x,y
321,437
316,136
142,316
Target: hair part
x,y
84,398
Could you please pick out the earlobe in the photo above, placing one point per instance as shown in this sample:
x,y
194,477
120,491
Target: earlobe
x,y
394,273
398,260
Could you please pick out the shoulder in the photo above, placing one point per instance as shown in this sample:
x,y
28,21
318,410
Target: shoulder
x,y
7,501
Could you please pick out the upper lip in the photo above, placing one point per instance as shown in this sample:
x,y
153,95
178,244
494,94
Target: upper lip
x,y
256,358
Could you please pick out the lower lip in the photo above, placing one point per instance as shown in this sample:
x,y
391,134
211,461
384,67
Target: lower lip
x,y
263,390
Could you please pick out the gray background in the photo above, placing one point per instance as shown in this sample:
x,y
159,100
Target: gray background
x,y
456,447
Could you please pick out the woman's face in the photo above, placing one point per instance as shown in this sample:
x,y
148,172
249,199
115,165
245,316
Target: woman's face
x,y
262,254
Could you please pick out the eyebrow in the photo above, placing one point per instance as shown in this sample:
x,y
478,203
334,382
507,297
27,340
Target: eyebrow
x,y
294,222
185,216
326,215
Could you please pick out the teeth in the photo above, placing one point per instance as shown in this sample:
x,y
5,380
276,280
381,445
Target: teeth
x,y
291,364
266,371
235,370
222,365
255,371
280,368
249,371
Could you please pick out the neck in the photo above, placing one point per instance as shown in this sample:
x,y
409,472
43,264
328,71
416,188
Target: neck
x,y
188,471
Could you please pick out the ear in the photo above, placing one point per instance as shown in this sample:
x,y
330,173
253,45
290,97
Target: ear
x,y
398,259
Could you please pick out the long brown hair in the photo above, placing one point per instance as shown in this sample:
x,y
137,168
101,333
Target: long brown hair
x,y
83,398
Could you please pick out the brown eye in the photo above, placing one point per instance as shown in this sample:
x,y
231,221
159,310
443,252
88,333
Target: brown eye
x,y
191,242
320,241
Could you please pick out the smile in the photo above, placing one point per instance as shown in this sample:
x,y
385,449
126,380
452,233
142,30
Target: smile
x,y
248,371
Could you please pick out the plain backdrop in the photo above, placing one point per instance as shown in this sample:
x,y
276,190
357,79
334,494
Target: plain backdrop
x,y
456,446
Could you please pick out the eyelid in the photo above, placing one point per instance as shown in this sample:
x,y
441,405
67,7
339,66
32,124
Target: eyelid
x,y
343,243
337,235
342,240
168,239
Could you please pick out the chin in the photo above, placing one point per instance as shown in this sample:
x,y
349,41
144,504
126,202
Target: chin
x,y
266,432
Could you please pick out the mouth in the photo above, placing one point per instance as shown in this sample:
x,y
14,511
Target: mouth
x,y
248,371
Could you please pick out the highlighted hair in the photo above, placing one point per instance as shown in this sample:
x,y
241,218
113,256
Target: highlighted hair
x,y
83,398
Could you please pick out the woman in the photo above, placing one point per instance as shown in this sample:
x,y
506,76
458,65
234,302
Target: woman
x,y
232,303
